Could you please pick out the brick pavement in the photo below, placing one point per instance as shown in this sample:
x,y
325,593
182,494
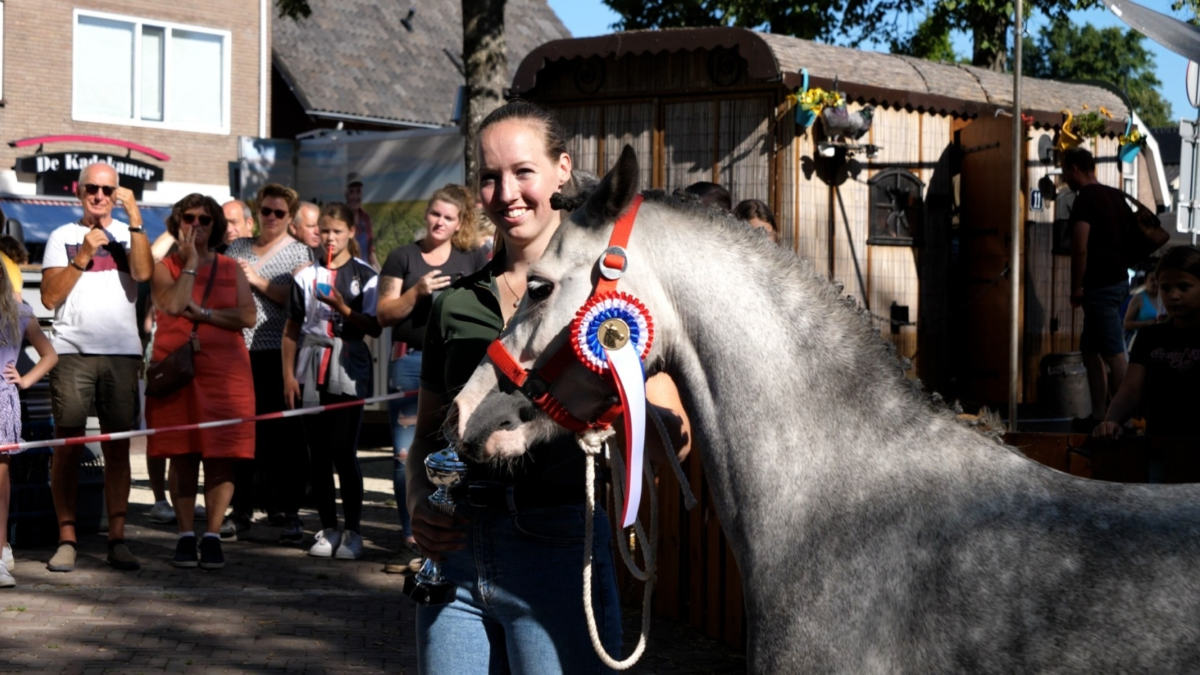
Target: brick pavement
x,y
272,609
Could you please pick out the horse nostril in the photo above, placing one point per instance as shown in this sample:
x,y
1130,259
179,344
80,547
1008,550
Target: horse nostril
x,y
506,425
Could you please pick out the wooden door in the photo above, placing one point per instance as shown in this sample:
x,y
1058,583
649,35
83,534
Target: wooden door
x,y
985,241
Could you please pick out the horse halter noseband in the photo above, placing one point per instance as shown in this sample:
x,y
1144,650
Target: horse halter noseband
x,y
611,335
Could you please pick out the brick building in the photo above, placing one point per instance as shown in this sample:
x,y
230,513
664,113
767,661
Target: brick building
x,y
167,88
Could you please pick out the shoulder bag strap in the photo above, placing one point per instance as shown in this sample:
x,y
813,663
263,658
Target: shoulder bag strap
x,y
212,276
266,257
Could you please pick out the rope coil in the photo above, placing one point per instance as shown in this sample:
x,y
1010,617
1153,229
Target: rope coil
x,y
593,444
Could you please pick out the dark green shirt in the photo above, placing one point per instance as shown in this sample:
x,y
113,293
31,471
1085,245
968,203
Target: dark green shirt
x,y
465,319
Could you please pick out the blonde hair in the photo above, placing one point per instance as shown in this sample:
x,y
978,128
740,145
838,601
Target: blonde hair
x,y
10,313
467,237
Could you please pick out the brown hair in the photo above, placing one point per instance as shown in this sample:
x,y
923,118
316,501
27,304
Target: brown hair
x,y
216,236
553,135
13,248
1079,158
1180,259
753,208
342,211
459,196
276,190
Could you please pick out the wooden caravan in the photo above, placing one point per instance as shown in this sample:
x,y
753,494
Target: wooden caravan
x,y
710,104
913,218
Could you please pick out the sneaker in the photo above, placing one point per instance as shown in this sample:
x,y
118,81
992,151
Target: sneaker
x,y
278,519
6,579
327,540
351,548
293,531
211,557
162,513
200,511
234,524
185,553
120,557
64,558
7,558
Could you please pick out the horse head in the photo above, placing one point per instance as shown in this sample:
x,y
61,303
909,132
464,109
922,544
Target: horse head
x,y
499,414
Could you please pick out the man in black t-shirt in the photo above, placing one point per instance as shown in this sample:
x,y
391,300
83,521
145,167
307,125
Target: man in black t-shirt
x,y
1099,280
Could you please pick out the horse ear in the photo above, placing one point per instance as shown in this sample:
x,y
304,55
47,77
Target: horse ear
x,y
614,192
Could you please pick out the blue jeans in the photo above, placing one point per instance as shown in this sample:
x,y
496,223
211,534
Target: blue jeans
x,y
519,607
404,375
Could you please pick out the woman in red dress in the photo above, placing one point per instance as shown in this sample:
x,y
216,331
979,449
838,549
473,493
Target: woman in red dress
x,y
223,387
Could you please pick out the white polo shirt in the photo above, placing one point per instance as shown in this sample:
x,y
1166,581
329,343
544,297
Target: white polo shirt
x,y
99,315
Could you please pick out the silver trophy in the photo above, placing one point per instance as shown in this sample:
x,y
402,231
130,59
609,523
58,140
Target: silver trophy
x,y
427,587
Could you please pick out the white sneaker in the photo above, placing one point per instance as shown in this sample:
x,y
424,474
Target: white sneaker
x,y
6,579
351,548
162,513
327,540
7,558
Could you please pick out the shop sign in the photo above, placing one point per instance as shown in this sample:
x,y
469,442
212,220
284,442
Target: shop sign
x,y
58,172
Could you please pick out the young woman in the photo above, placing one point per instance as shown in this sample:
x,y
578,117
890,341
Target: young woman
x,y
411,277
1164,366
325,361
222,387
16,322
268,262
516,557
1144,309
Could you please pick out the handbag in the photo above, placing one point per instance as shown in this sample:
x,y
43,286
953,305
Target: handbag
x,y
1143,233
173,373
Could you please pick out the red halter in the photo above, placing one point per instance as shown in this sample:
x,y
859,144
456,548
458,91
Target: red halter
x,y
536,384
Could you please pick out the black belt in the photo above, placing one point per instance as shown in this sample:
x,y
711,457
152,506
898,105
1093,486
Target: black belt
x,y
483,495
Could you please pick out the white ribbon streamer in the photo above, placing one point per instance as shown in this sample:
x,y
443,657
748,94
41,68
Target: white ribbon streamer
x,y
626,365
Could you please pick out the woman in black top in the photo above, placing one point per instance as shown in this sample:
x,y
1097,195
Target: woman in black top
x,y
412,276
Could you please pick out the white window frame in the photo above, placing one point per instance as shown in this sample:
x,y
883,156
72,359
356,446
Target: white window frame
x,y
1129,174
168,26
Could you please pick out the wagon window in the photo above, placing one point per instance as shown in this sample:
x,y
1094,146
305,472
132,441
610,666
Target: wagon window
x,y
897,208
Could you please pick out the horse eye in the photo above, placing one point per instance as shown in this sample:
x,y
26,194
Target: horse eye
x,y
538,289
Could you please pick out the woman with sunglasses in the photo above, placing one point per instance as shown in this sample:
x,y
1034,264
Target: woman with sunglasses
x,y
268,261
197,289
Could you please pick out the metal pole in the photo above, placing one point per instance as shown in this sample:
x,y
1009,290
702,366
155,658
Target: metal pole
x,y
1018,217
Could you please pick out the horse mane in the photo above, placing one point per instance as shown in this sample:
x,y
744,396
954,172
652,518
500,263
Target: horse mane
x,y
876,354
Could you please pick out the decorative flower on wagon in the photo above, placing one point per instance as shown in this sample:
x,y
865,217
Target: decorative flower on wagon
x,y
816,99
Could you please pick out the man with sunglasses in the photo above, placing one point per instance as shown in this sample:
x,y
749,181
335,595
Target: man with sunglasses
x,y
90,272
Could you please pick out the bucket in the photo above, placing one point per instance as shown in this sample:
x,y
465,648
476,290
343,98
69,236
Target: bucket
x,y
1063,386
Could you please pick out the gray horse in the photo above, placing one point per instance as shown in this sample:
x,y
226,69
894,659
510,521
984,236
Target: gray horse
x,y
873,532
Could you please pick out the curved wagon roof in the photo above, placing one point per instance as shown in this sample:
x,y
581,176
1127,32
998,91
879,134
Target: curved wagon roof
x,y
900,81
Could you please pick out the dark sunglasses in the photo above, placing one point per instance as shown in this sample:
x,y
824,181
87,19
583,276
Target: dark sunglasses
x,y
189,218
92,188
279,213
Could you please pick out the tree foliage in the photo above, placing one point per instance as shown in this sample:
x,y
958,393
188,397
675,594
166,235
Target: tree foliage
x,y
822,20
1065,51
930,41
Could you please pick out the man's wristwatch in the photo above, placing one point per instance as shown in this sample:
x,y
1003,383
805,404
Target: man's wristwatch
x,y
81,268
137,229
207,313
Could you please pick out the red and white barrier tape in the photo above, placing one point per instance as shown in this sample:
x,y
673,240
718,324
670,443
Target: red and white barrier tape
x,y
122,435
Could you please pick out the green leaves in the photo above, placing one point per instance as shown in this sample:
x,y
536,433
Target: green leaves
x,y
1065,51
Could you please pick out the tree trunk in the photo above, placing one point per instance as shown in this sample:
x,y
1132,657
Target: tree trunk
x,y
991,44
487,71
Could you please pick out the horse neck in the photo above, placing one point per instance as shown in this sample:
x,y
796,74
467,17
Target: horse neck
x,y
784,384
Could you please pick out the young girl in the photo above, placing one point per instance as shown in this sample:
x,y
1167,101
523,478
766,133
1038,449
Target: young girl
x,y
16,320
1164,366
325,361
